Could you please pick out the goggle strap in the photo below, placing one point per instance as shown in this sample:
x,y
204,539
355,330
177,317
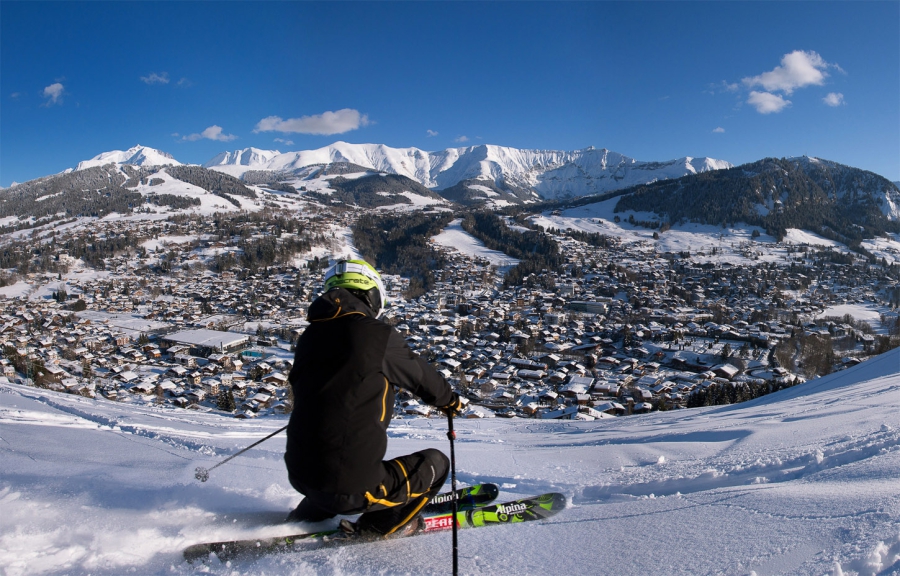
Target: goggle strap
x,y
344,267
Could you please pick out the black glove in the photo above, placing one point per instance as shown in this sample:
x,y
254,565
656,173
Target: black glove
x,y
454,407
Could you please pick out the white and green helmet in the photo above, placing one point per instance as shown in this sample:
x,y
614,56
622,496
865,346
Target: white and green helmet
x,y
358,275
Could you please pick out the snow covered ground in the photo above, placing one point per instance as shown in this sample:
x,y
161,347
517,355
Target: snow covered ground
x,y
869,313
453,236
706,243
803,481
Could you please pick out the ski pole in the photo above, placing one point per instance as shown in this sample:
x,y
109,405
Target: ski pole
x,y
202,474
452,436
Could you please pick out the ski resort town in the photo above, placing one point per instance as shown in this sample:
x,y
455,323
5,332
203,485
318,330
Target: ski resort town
x,y
625,330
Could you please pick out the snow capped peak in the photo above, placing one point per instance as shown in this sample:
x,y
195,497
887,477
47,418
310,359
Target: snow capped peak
x,y
697,165
251,157
136,156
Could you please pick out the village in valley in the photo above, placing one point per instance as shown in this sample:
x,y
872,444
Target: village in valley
x,y
624,329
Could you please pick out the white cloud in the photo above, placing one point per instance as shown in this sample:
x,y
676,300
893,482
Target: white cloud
x,y
834,99
461,139
431,133
324,124
54,93
798,69
285,142
767,103
155,78
719,130
211,133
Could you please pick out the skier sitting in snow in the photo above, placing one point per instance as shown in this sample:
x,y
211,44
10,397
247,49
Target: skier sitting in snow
x,y
345,368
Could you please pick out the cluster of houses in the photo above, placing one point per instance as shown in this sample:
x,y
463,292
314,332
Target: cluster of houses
x,y
622,330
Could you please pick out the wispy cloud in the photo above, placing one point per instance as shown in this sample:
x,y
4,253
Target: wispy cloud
x,y
324,124
797,69
767,103
53,94
719,130
431,133
285,142
212,133
834,99
154,78
721,87
461,139
15,95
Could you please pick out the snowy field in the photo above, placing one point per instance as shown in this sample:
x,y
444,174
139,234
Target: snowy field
x,y
869,313
453,236
803,481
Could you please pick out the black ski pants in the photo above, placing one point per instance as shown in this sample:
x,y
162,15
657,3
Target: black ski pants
x,y
408,484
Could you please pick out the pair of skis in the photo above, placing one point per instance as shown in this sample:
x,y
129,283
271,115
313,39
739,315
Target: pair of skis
x,y
475,510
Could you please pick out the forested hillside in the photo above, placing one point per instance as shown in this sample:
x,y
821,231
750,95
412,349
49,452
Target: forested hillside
x,y
374,190
535,250
94,192
841,203
398,244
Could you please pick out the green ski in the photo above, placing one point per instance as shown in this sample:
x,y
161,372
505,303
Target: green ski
x,y
515,511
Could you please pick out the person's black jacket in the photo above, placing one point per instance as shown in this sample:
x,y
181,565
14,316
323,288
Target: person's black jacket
x,y
345,368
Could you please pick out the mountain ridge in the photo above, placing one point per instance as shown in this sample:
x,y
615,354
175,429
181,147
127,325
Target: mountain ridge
x,y
525,173
549,173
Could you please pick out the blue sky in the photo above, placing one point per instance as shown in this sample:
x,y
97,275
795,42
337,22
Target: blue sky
x,y
736,81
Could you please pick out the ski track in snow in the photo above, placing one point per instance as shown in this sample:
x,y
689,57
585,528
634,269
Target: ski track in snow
x,y
803,481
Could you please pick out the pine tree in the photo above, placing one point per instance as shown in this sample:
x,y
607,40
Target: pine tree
x,y
225,400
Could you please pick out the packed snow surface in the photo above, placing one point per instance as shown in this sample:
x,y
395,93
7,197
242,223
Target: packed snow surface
x,y
803,481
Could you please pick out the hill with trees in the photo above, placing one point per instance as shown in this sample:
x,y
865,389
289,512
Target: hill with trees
x,y
839,202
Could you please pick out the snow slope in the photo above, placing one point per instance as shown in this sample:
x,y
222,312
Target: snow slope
x,y
453,236
803,481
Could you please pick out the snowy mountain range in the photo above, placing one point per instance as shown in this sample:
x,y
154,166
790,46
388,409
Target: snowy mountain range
x,y
531,174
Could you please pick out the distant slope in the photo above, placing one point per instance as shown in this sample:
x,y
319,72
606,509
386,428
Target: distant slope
x,y
839,202
98,191
486,193
374,190
92,192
